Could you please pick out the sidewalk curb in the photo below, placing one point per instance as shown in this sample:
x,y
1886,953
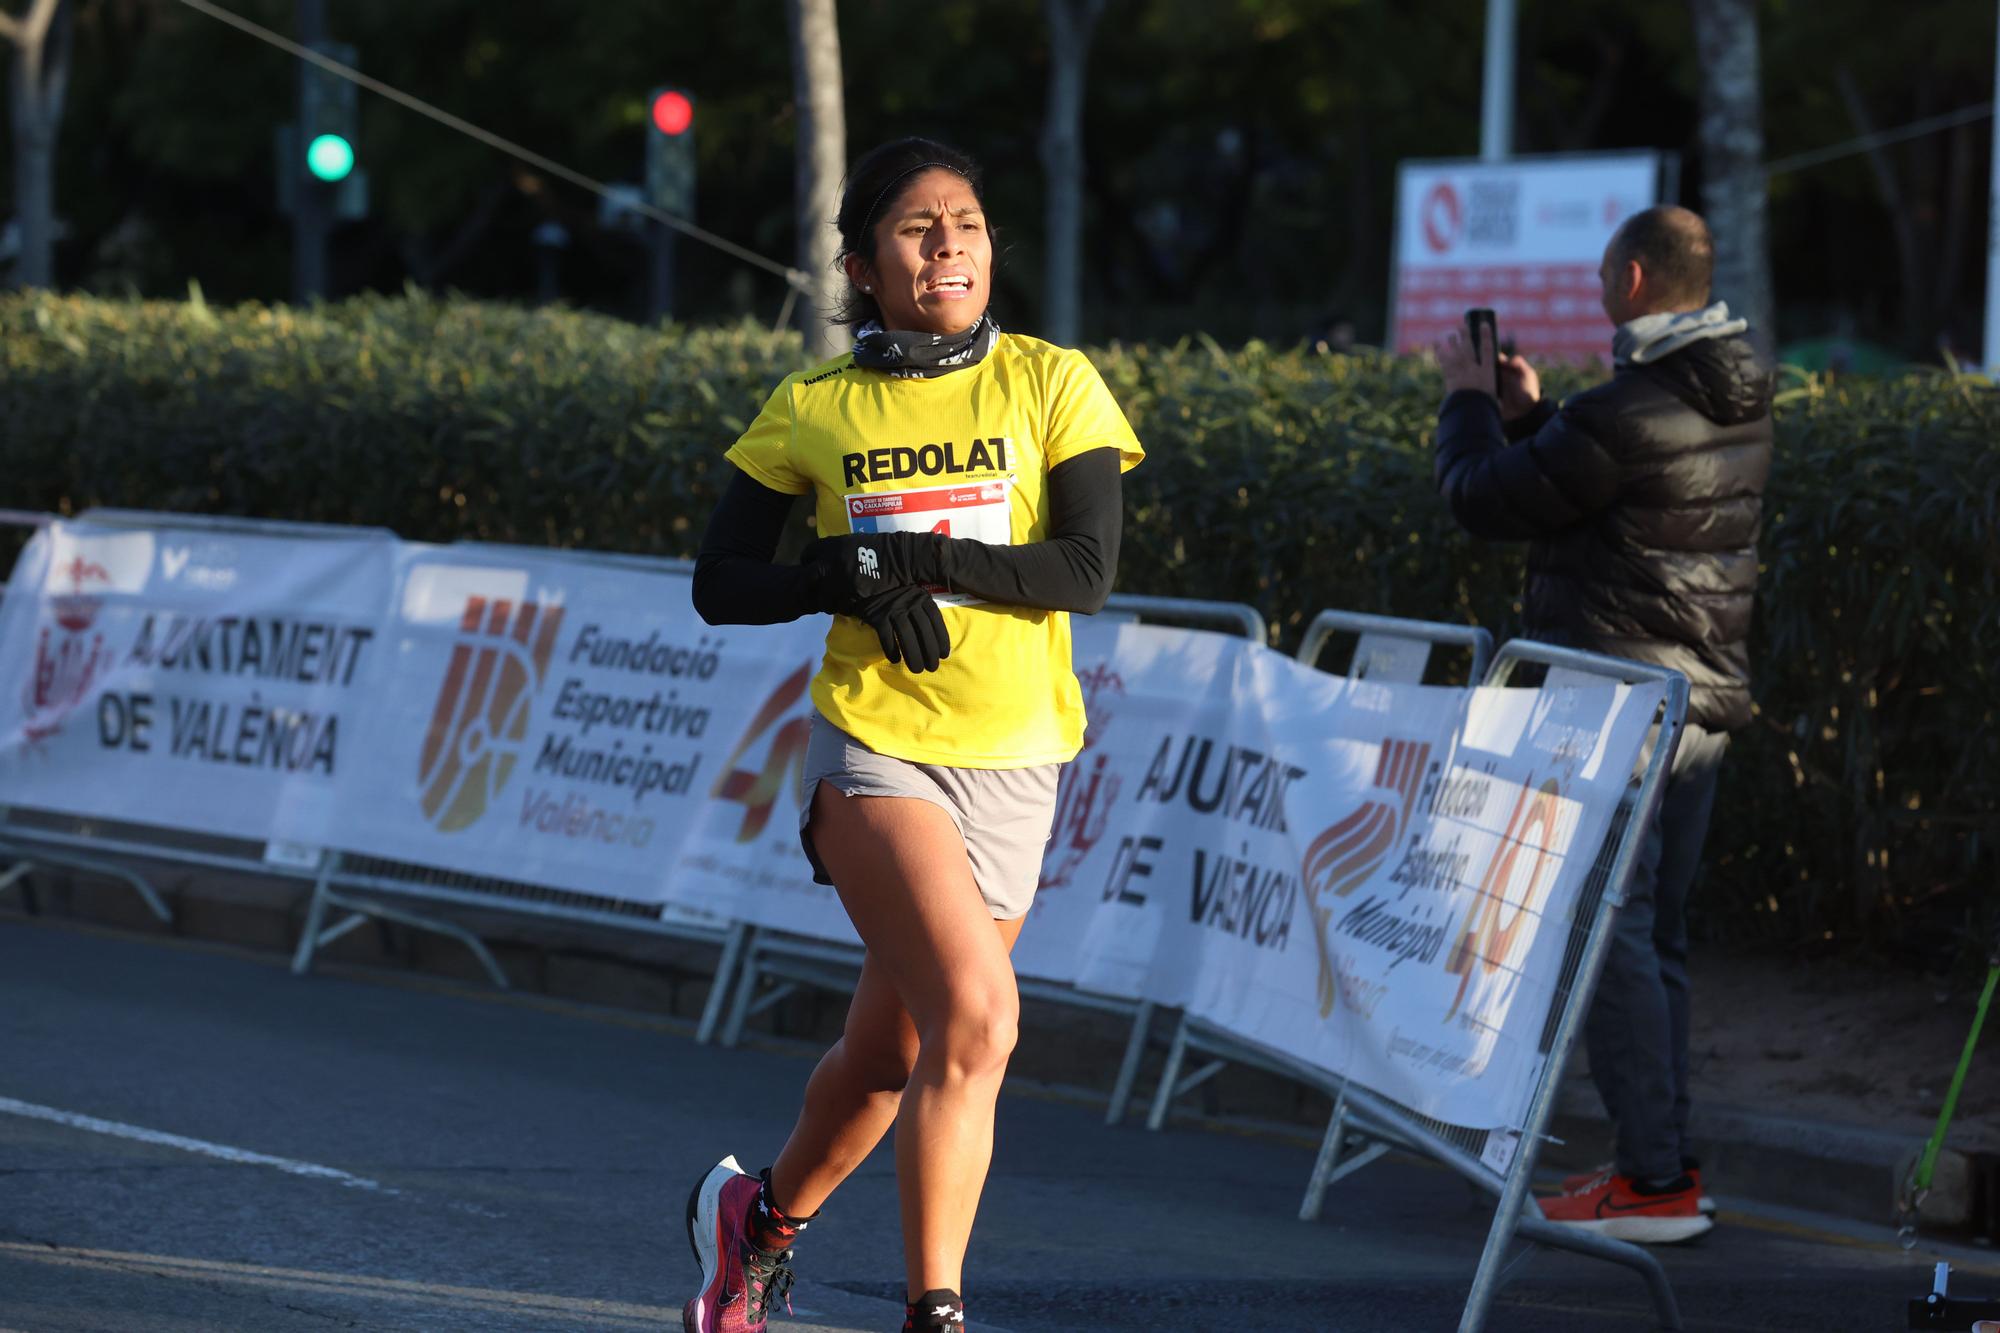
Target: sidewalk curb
x,y
1846,1170
1820,1166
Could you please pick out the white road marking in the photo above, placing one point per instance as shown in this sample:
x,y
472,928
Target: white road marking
x,y
242,1156
568,1311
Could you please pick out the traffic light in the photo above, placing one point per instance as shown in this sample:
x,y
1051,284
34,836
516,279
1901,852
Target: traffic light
x,y
672,112
320,183
670,151
327,117
318,154
330,157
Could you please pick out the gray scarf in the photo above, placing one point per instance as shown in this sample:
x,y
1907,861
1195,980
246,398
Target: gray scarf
x,y
912,356
1640,341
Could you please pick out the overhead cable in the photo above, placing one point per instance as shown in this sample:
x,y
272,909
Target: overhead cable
x,y
1916,129
796,278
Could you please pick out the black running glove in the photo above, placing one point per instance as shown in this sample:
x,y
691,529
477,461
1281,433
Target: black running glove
x,y
872,577
846,571
909,625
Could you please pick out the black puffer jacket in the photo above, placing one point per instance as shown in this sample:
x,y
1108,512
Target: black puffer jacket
x,y
1643,498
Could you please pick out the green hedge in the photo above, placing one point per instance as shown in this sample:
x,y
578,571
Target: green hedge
x,y
1860,808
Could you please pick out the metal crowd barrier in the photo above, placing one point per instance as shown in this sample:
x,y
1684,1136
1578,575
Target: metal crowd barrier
x,y
348,888
20,857
1576,982
30,837
1392,649
1379,1124
793,962
1362,1119
1386,649
365,887
358,885
153,520
361,886
1233,617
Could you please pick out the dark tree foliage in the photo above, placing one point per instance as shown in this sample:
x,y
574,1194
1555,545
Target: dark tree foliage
x,y
1241,152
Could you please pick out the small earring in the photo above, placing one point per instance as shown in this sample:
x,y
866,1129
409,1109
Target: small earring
x,y
866,288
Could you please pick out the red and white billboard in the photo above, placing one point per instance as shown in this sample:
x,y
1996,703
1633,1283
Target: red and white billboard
x,y
1524,237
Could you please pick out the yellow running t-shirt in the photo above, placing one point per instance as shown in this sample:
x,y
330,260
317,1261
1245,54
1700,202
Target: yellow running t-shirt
x,y
966,453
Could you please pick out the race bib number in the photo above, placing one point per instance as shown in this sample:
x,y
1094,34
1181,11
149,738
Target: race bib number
x,y
979,511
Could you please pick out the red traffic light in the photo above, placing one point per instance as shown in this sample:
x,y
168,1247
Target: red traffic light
x,y
672,112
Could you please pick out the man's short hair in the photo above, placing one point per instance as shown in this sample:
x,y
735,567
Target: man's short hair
x,y
1673,249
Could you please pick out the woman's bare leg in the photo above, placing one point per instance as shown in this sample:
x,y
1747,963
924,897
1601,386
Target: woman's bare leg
x,y
851,1099
855,1091
902,873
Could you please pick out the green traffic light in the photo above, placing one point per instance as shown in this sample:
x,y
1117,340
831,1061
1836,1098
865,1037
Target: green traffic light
x,y
330,157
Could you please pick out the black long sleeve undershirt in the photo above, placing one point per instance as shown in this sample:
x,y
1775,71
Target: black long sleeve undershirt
x,y
1073,569
735,582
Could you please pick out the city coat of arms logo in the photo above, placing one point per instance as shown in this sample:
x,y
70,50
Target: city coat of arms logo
x,y
1086,790
70,654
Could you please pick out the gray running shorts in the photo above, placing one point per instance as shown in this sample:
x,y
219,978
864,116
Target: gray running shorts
x,y
1004,814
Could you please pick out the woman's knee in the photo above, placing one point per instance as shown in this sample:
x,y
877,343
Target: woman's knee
x,y
976,1034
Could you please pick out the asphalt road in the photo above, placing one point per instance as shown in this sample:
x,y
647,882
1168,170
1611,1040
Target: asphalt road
x,y
368,1152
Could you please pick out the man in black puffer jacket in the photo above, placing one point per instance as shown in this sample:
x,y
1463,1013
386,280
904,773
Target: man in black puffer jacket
x,y
1641,501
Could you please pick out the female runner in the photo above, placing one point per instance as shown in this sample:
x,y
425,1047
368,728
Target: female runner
x,y
974,477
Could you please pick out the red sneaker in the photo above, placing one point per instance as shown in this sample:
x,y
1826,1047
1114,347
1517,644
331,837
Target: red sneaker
x,y
1613,1208
1584,1182
738,1280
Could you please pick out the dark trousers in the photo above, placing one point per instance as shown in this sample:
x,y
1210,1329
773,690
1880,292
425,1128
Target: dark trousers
x,y
1637,1033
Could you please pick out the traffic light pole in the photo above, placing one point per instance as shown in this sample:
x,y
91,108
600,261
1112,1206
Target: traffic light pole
x,y
660,291
669,188
1496,89
312,214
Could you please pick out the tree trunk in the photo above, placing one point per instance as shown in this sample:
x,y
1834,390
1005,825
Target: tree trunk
x,y
821,159
38,82
1902,225
1733,189
1071,26
1360,241
1958,213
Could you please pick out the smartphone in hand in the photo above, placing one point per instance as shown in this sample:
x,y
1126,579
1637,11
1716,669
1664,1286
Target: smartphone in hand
x,y
1482,326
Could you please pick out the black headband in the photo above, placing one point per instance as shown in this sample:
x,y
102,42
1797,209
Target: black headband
x,y
868,222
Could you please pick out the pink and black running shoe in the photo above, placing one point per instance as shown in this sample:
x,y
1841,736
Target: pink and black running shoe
x,y
738,1280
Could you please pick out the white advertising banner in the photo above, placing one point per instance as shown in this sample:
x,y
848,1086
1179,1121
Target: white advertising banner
x,y
1438,893
1523,237
202,680
1098,916
555,720
1353,872
742,855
